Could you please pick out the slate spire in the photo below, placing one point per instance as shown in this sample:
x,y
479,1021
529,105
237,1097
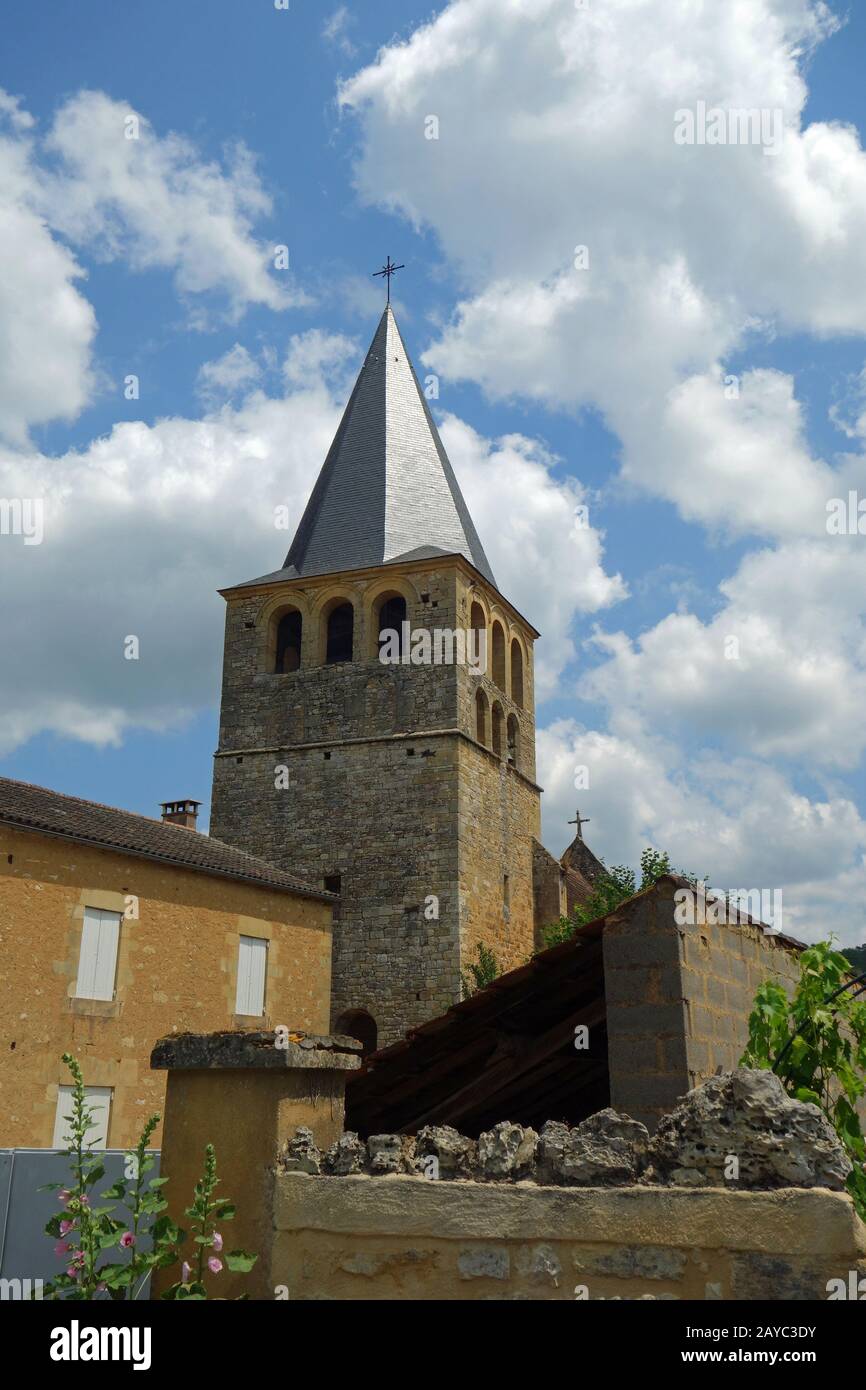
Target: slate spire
x,y
386,491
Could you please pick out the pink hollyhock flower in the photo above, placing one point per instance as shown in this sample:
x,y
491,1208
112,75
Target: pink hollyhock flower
x,y
214,1265
217,1241
185,1272
84,1200
61,1248
63,1195
127,1240
66,1226
72,1272
78,1259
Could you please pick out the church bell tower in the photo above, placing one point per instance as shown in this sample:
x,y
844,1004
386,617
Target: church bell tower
x,y
361,744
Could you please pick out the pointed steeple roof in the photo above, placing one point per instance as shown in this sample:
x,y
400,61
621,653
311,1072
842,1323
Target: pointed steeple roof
x,y
386,491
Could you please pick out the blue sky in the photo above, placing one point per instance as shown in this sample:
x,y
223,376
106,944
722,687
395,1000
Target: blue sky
x,y
609,398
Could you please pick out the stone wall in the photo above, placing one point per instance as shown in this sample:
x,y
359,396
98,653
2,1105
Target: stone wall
x,y
404,1238
740,1195
387,788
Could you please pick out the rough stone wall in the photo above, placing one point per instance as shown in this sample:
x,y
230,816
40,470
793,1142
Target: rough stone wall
x,y
678,998
177,969
387,787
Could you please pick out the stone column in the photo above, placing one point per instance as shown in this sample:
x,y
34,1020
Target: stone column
x,y
246,1096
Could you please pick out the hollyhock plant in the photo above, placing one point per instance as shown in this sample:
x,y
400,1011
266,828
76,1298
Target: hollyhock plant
x,y
148,1237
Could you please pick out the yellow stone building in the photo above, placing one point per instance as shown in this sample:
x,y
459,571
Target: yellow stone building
x,y
116,930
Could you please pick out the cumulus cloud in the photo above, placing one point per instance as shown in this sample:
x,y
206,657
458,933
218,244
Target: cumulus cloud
x,y
546,558
126,191
47,326
152,201
234,371
739,822
556,129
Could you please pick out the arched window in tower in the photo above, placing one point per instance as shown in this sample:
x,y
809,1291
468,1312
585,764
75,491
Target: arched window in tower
x,y
287,655
496,729
392,616
517,673
498,656
481,717
478,625
357,1023
513,740
340,634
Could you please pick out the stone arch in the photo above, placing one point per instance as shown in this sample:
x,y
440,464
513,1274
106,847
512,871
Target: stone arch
x,y
513,740
357,1023
336,630
481,708
271,615
496,721
288,635
389,612
497,643
517,693
478,626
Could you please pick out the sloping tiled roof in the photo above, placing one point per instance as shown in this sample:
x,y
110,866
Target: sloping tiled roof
x,y
387,491
88,822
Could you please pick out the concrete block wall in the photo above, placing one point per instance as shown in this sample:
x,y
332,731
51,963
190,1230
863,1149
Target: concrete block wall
x,y
679,998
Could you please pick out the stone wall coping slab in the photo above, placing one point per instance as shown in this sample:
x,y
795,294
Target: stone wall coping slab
x,y
790,1220
256,1051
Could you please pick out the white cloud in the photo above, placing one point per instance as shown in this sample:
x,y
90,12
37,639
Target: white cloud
x,y
556,131
336,31
779,671
235,371
47,326
547,563
154,201
738,821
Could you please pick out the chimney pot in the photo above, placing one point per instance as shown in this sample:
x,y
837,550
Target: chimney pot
x,y
184,812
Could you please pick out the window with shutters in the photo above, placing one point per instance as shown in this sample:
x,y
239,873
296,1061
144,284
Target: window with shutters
x,y
252,971
98,1099
97,963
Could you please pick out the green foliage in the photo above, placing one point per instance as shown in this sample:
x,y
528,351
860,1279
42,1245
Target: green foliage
x,y
481,972
84,1232
610,889
816,1043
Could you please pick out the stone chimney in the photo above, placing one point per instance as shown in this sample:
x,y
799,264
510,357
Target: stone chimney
x,y
183,813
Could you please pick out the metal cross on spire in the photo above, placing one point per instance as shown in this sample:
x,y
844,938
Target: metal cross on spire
x,y
389,269
579,821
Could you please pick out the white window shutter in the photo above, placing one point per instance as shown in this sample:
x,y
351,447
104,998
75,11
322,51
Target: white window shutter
x,y
99,1104
252,970
97,964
